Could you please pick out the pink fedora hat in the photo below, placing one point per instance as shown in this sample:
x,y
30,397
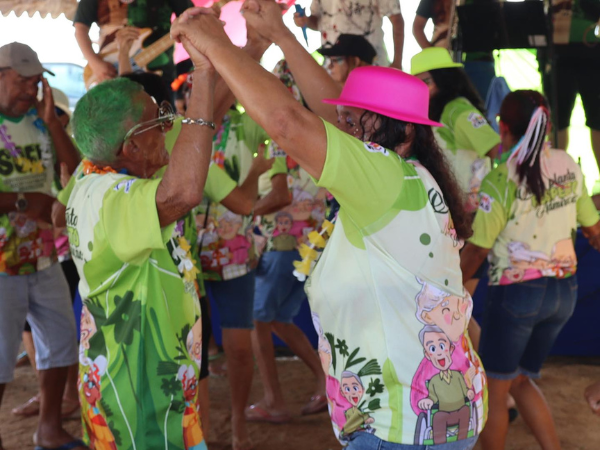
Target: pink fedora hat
x,y
387,91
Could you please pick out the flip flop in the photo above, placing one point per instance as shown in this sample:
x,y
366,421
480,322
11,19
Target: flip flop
x,y
28,409
256,413
68,446
317,404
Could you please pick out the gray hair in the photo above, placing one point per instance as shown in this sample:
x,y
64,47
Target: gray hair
x,y
428,299
348,374
429,329
104,115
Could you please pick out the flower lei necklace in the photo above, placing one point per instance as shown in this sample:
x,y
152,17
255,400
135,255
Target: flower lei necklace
x,y
89,167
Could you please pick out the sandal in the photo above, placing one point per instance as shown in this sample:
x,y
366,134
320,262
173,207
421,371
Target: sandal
x,y
28,409
317,404
256,413
215,368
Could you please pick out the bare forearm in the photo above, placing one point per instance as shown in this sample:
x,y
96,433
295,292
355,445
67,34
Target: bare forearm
x,y
63,145
398,30
124,63
271,203
471,259
85,43
182,185
419,34
313,80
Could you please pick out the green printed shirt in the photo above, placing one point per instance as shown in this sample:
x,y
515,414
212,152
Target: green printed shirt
x,y
227,239
466,138
141,331
390,272
530,240
26,165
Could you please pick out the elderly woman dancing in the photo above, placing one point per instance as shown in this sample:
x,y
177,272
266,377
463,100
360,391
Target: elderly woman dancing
x,y
141,317
400,225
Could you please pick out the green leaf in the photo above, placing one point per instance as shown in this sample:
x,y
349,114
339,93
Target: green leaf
x,y
374,404
331,340
167,368
361,405
116,433
370,368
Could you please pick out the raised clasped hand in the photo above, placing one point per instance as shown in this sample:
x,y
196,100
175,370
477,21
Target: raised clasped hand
x,y
265,17
198,29
45,107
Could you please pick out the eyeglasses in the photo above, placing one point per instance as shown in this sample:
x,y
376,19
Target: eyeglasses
x,y
334,60
166,116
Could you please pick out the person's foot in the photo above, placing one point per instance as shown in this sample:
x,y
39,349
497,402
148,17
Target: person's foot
x,y
240,439
259,412
28,409
22,360
246,445
317,404
52,438
217,366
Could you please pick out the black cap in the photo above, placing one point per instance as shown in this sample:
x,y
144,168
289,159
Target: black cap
x,y
351,45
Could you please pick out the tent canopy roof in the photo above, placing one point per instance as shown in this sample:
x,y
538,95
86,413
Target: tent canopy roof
x,y
52,7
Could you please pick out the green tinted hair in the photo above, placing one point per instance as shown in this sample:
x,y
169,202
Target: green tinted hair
x,y
104,115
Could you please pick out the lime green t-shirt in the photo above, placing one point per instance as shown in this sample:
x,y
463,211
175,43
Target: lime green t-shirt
x,y
26,165
141,332
466,138
227,239
388,283
529,240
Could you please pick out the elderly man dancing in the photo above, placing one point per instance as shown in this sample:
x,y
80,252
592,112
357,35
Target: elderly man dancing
x,y
141,319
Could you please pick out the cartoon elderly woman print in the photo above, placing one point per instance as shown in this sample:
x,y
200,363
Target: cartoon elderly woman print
x,y
97,429
525,263
194,343
338,404
192,430
449,312
88,329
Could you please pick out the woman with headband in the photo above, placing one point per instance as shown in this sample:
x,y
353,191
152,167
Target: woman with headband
x,y
529,210
400,227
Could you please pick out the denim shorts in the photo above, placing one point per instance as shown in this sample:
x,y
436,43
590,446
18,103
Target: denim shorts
x,y
234,300
367,441
278,295
521,322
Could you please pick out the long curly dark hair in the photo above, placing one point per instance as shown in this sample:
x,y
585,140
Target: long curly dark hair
x,y
452,83
389,133
516,112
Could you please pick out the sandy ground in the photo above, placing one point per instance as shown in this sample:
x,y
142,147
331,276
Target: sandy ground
x,y
563,382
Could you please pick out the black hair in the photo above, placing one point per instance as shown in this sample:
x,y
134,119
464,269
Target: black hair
x,y
389,133
516,111
452,83
154,85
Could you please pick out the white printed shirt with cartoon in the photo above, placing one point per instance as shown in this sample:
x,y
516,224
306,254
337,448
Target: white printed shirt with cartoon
x,y
26,165
141,331
529,240
226,238
466,138
362,17
285,230
393,249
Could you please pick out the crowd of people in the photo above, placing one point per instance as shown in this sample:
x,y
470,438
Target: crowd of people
x,y
381,195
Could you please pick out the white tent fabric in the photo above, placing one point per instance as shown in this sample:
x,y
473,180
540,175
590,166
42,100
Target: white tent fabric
x,y
54,8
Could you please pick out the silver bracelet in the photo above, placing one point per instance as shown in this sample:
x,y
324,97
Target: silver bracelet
x,y
202,122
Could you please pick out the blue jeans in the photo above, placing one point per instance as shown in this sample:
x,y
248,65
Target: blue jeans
x,y
521,321
366,441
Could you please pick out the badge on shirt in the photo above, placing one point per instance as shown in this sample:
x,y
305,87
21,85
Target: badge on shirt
x,y
477,120
376,148
485,202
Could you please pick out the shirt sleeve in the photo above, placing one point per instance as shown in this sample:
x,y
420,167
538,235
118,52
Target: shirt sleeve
x,y
389,7
366,179
130,219
587,214
65,193
279,166
87,12
425,9
254,135
473,132
218,184
492,215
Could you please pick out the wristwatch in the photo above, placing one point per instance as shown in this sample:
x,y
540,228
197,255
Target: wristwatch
x,y
21,203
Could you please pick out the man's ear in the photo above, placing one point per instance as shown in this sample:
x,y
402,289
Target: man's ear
x,y
129,150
